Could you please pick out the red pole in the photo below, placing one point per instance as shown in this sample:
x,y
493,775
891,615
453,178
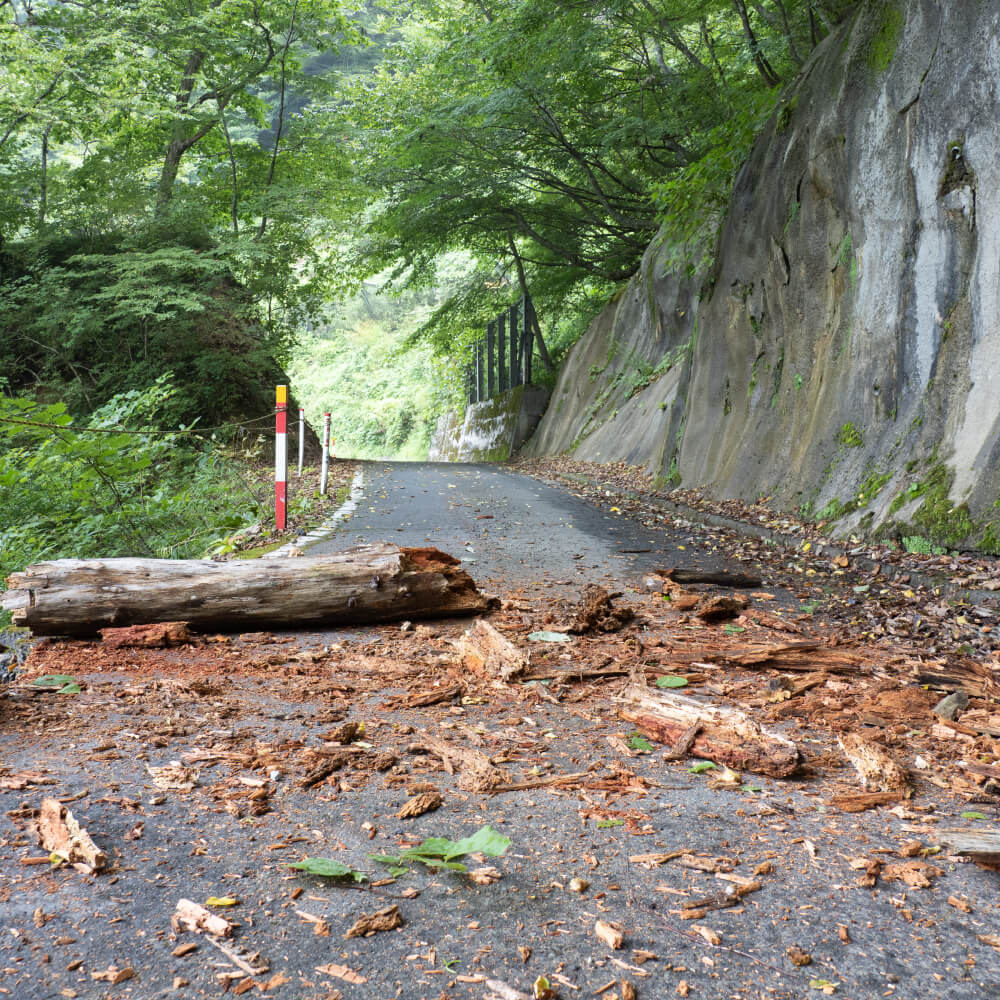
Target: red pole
x,y
281,458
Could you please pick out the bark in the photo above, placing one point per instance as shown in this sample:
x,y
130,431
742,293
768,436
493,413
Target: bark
x,y
726,735
370,583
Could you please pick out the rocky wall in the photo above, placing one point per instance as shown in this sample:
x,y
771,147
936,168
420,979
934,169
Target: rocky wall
x,y
843,355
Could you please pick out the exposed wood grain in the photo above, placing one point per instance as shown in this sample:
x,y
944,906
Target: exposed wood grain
x,y
370,583
726,735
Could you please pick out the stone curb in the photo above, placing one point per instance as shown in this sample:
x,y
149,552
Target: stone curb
x,y
939,585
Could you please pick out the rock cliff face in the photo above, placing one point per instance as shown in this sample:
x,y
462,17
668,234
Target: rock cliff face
x,y
843,356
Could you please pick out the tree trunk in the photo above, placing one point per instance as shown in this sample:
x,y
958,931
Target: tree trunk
x,y
370,583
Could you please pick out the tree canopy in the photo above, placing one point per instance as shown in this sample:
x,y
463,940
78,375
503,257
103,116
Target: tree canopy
x,y
553,138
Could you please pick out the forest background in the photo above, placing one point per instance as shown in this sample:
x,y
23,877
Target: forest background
x,y
200,199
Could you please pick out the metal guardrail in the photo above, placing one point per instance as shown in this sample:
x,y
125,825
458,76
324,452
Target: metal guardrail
x,y
502,357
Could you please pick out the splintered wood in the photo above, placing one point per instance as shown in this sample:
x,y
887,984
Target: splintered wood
x,y
371,923
60,834
876,768
157,636
724,735
487,652
476,772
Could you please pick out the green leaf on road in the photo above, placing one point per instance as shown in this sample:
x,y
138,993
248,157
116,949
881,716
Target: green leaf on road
x,y
605,824
701,767
64,683
637,742
973,815
549,637
328,868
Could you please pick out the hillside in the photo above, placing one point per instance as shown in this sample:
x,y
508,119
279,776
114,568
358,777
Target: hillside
x,y
840,353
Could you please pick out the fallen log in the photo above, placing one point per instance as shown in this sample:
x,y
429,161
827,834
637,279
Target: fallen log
x,y
980,845
370,583
720,579
725,735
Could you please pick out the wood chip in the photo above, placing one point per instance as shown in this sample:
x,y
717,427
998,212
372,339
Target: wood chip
x,y
915,874
420,804
59,833
191,916
609,934
341,972
876,768
114,975
797,956
387,919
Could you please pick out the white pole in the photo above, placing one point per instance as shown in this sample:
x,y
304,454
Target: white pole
x,y
302,437
326,454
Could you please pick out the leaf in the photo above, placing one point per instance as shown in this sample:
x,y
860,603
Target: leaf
x,y
439,852
604,824
973,815
221,901
328,868
484,841
549,637
640,743
701,767
671,681
823,984
732,629
65,683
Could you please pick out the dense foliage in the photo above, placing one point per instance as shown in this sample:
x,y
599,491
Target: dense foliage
x,y
161,207
114,485
552,139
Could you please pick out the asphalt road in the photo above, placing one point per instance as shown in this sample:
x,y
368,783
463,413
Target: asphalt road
x,y
514,533
512,530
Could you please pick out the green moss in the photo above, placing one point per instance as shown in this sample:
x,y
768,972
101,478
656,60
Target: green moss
x,y
261,550
886,38
937,518
793,214
990,541
786,114
849,436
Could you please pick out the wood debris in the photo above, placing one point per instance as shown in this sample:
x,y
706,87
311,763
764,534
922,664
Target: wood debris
x,y
342,972
60,834
797,956
174,777
157,636
387,919
610,934
727,735
720,578
114,975
191,916
596,612
720,609
980,845
915,874
876,768
855,802
423,803
487,652
476,772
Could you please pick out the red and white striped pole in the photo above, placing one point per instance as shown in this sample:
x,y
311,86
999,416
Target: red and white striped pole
x,y
281,457
326,455
302,437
